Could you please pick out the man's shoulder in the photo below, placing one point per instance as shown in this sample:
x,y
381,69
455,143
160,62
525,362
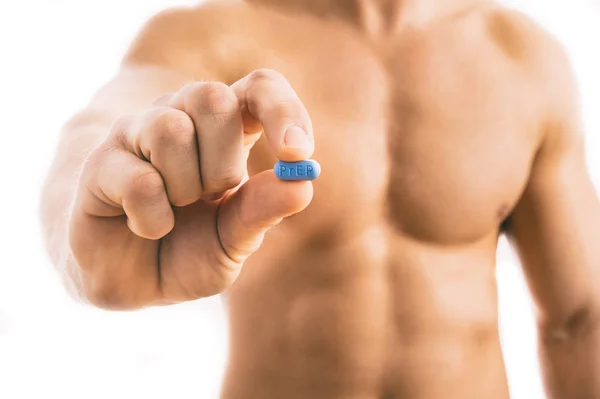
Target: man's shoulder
x,y
547,66
539,54
524,40
195,40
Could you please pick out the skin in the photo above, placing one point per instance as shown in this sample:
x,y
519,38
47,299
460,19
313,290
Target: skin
x,y
435,122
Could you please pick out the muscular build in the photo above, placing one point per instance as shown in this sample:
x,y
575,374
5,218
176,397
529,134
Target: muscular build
x,y
435,122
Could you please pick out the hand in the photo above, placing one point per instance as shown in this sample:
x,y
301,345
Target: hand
x,y
165,211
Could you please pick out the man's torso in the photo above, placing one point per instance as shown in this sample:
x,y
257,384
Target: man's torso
x,y
385,286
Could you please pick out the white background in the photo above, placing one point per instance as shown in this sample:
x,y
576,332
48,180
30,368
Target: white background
x,y
53,55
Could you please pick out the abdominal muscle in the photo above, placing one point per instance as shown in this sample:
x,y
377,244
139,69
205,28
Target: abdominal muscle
x,y
377,316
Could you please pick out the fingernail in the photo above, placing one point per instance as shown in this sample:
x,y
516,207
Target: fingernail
x,y
295,137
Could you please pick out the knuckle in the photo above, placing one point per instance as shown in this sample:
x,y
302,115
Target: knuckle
x,y
214,98
227,182
145,185
164,99
289,111
121,125
269,92
95,159
172,127
223,181
265,75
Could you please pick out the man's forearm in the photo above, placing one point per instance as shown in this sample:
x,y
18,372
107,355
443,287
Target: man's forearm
x,y
78,138
570,358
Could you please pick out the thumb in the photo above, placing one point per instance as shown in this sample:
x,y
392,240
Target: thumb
x,y
261,203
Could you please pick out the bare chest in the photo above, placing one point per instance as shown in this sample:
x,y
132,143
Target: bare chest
x,y
432,133
429,136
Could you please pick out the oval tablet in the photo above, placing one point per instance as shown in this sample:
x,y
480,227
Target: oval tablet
x,y
308,169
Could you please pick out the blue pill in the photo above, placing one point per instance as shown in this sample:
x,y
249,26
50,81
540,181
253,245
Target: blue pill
x,y
308,169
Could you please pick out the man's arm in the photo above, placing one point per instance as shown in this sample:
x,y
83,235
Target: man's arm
x,y
156,64
157,207
556,229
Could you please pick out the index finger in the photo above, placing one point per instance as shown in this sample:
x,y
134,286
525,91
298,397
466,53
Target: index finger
x,y
270,104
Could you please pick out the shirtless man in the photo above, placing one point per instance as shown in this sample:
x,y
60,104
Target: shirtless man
x,y
438,124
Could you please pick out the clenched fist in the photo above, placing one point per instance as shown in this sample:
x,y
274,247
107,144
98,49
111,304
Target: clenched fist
x,y
165,211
